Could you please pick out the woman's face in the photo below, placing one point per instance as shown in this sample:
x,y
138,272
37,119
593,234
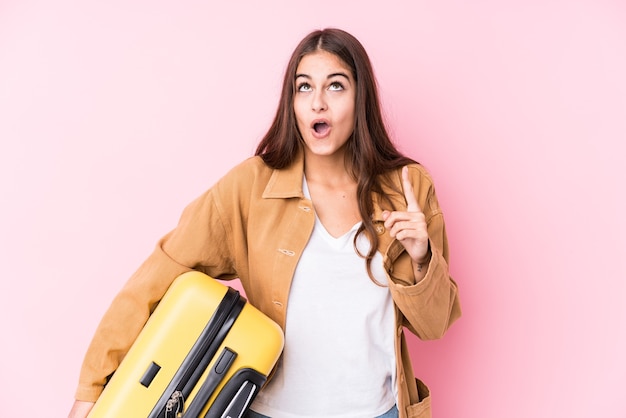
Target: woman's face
x,y
324,103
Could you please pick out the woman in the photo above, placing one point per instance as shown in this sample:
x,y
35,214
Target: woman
x,y
334,235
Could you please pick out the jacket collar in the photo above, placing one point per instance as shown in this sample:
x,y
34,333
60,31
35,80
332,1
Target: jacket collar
x,y
287,182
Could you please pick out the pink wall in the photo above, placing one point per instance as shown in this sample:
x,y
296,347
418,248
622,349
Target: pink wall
x,y
114,115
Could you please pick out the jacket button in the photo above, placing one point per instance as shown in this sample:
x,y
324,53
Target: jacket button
x,y
287,252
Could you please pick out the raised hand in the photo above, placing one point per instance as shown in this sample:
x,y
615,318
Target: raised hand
x,y
409,227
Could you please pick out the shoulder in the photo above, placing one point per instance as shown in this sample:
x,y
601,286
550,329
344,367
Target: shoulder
x,y
236,191
418,175
240,183
251,170
423,188
248,167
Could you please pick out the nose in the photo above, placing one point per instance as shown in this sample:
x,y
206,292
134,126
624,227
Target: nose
x,y
318,102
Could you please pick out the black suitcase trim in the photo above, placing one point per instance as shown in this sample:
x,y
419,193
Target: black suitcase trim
x,y
170,404
237,395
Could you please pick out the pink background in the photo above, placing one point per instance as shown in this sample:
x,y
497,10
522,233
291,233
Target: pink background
x,y
115,114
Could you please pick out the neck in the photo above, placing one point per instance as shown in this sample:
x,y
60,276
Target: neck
x,y
331,170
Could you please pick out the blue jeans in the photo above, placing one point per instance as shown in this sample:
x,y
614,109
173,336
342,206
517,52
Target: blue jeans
x,y
392,413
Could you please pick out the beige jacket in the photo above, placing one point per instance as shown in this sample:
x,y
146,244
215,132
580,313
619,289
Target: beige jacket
x,y
254,224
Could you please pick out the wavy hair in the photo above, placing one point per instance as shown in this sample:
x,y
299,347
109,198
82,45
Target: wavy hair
x,y
370,151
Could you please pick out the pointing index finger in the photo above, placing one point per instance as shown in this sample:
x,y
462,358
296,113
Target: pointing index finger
x,y
409,194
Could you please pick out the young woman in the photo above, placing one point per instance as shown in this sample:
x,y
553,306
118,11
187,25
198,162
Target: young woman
x,y
333,233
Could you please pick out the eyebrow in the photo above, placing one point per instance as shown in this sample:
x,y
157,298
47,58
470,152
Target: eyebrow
x,y
327,77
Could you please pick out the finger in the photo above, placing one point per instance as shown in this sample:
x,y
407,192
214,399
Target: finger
x,y
416,223
409,194
395,217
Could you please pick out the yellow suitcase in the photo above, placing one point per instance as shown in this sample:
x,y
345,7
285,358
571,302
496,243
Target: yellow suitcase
x,y
204,352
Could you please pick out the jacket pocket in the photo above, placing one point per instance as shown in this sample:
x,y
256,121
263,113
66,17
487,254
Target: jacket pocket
x,y
421,409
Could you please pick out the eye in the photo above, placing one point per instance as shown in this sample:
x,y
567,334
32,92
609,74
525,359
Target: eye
x,y
335,86
303,87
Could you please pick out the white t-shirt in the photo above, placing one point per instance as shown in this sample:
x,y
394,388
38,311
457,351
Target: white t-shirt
x,y
339,357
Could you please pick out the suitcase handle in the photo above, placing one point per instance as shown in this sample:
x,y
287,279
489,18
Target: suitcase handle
x,y
215,376
237,395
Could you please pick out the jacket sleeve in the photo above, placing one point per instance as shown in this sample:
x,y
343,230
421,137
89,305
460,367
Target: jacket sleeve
x,y
189,246
430,306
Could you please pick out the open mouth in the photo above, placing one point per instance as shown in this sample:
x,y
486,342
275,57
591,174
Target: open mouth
x,y
321,127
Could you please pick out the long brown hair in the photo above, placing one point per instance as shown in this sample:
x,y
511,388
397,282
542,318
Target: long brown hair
x,y
369,150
